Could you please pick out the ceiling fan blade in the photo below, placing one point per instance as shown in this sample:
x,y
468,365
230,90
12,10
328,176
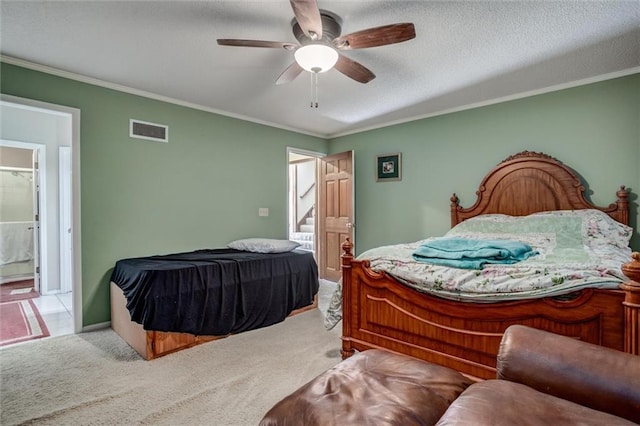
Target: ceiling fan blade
x,y
354,70
308,16
289,74
379,36
256,43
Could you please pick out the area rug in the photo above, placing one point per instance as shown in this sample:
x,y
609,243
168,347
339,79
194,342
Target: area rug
x,y
17,290
20,321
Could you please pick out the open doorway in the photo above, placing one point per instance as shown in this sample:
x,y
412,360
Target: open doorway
x,y
302,198
18,230
52,132
35,305
321,206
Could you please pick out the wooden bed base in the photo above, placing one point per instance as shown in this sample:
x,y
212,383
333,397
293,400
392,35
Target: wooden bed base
x,y
154,344
380,312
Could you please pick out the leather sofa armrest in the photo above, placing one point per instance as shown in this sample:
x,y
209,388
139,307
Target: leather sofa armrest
x,y
590,375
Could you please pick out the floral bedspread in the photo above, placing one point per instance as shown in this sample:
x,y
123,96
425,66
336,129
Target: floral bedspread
x,y
577,249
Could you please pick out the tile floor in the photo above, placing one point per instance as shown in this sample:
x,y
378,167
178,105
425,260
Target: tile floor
x,y
56,311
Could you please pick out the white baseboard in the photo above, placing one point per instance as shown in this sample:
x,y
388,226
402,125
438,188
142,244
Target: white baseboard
x,y
99,326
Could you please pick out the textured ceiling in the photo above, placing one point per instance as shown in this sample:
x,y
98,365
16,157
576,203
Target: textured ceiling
x,y
465,53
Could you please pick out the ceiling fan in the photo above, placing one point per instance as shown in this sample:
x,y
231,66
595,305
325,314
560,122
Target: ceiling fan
x,y
318,34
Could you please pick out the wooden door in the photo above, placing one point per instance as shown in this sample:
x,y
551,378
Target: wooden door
x,y
335,212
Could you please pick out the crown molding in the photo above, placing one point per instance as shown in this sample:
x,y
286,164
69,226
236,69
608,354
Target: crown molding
x,y
125,89
522,95
121,88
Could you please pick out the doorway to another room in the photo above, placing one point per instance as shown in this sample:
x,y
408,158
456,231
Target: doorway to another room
x,y
29,309
302,199
39,269
321,206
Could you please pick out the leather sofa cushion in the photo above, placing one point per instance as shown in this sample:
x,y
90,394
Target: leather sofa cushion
x,y
500,402
600,378
373,387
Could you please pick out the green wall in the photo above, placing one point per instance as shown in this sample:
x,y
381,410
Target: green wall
x,y
593,129
204,187
201,190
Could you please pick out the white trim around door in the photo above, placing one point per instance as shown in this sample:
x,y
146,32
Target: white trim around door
x,y
72,139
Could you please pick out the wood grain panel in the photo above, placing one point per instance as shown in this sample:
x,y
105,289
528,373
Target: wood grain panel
x,y
154,344
330,204
335,212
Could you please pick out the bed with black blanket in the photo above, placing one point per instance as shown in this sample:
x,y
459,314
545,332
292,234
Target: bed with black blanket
x,y
195,296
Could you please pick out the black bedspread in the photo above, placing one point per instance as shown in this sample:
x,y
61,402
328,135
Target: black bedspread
x,y
216,292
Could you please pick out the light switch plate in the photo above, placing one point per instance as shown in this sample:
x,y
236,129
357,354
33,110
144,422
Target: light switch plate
x,y
263,211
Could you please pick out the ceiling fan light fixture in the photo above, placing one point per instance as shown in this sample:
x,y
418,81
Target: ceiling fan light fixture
x,y
316,58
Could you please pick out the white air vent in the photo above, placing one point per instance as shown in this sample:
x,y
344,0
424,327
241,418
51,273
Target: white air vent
x,y
151,131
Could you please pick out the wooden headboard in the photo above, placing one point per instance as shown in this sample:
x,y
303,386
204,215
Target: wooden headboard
x,y
532,182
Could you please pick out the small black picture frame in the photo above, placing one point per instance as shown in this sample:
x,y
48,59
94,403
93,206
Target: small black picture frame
x,y
389,167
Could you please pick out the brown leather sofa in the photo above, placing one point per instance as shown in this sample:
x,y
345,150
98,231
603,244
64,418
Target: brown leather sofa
x,y
543,379
547,379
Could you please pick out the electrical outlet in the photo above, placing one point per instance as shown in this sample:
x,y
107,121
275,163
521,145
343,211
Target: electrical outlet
x,y
263,211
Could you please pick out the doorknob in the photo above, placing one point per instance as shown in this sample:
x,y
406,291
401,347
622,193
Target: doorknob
x,y
350,225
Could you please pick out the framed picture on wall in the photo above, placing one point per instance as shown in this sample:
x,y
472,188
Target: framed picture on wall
x,y
388,167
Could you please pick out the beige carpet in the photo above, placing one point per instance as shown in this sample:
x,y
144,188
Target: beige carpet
x,y
97,379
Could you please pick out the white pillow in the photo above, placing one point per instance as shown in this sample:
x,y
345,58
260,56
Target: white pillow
x,y
263,245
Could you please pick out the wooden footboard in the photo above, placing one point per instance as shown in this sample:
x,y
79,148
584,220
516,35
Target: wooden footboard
x,y
379,312
154,344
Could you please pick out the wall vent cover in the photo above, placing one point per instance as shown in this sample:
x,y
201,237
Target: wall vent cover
x,y
150,131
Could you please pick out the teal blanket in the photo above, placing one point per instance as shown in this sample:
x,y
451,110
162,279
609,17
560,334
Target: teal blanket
x,y
466,253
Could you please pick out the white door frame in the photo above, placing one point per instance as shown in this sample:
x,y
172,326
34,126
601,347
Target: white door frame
x,y
37,197
292,150
65,219
74,131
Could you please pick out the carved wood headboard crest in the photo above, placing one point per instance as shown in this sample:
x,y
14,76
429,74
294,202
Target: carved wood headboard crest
x,y
531,182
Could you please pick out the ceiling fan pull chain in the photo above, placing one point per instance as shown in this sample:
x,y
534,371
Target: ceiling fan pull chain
x,y
311,90
315,86
314,90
